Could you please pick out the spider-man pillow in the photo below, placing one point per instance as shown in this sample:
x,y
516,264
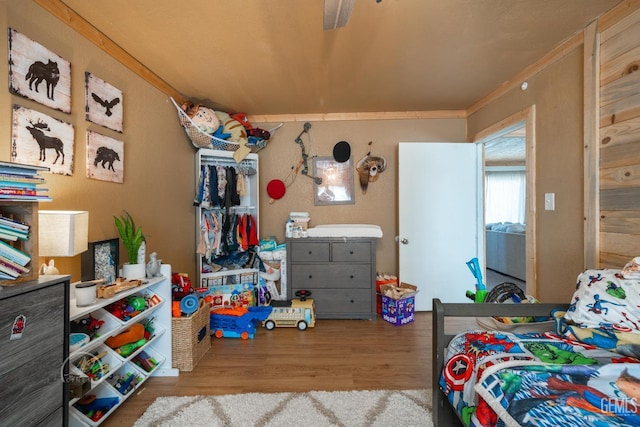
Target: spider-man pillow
x,y
606,299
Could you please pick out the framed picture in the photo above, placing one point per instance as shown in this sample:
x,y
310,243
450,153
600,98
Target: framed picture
x,y
336,187
38,74
101,260
105,158
103,103
40,140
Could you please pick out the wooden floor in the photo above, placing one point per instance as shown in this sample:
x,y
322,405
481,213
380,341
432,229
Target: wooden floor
x,y
335,355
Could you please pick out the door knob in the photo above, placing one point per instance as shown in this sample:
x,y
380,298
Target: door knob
x,y
404,241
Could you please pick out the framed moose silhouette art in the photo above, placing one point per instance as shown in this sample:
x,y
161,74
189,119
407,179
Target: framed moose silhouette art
x,y
41,140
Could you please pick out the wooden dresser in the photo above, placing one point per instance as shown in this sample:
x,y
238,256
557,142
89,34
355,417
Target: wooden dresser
x,y
339,272
34,346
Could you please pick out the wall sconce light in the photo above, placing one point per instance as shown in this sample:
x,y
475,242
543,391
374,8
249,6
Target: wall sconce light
x,y
62,234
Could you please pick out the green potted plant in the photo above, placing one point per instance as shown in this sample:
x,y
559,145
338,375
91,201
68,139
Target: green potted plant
x,y
133,239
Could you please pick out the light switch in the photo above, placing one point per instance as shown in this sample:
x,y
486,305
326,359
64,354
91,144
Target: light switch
x,y
549,201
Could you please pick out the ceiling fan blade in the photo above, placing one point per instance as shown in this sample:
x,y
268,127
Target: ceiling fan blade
x,y
337,13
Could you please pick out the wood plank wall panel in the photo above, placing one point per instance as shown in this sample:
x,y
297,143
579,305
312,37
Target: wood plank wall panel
x,y
619,237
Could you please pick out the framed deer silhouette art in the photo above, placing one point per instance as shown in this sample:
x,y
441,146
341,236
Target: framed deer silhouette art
x,y
41,140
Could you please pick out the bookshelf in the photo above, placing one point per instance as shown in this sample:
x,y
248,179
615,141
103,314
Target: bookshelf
x,y
26,212
20,193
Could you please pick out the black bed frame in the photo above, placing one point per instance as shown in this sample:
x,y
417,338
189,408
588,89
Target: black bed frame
x,y
443,414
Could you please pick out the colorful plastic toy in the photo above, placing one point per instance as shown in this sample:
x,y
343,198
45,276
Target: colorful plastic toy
x,y
87,325
95,407
299,313
145,361
481,290
180,286
237,322
124,384
127,308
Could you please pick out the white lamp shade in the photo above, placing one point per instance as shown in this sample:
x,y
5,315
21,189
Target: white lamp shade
x,y
62,233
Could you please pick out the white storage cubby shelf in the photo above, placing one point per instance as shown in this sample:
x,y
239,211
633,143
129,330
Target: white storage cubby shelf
x,y
248,205
158,346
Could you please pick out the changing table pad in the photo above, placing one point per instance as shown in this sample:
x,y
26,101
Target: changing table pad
x,y
345,230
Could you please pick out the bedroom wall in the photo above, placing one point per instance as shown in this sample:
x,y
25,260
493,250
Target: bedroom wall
x,y
619,142
557,93
159,159
158,177
379,204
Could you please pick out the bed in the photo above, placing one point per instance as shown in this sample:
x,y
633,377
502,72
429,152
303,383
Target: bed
x,y
534,386
443,412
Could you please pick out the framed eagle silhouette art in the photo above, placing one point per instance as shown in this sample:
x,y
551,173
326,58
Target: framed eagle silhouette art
x,y
103,103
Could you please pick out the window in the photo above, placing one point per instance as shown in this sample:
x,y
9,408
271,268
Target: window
x,y
505,196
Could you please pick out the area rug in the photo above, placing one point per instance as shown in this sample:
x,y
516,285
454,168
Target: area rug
x,y
315,408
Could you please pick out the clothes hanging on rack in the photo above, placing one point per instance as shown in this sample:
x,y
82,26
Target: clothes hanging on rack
x,y
220,187
223,234
227,233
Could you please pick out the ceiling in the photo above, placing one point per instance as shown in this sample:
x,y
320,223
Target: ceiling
x,y
274,57
509,149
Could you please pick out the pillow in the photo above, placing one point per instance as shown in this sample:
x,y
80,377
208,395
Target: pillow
x,y
501,227
515,228
605,299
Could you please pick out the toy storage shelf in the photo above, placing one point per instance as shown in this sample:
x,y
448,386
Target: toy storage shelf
x,y
158,346
112,325
248,205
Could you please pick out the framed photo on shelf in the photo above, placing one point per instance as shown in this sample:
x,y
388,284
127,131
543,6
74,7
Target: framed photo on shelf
x,y
101,260
336,187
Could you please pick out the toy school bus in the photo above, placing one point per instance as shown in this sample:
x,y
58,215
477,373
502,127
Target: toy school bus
x,y
299,313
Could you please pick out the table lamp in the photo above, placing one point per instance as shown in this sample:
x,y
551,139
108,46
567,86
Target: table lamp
x,y
62,234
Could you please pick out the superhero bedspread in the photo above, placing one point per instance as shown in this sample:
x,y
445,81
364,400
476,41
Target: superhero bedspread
x,y
499,378
586,372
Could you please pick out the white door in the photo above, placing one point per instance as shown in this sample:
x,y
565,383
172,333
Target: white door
x,y
440,219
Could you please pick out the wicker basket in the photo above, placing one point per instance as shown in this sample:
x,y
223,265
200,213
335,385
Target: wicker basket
x,y
200,139
191,338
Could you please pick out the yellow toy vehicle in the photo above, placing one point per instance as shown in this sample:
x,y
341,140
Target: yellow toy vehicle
x,y
299,313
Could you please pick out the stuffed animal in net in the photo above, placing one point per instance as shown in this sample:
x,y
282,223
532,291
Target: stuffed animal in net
x,y
238,134
203,117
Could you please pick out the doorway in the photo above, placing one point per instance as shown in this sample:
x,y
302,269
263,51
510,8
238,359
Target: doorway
x,y
510,146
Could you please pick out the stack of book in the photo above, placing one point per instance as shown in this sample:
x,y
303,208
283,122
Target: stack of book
x,y
22,182
12,229
18,183
12,262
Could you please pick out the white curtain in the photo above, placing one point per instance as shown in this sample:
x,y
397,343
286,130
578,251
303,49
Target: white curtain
x,y
505,196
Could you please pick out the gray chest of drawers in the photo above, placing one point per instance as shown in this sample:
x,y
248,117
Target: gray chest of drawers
x,y
340,273
33,348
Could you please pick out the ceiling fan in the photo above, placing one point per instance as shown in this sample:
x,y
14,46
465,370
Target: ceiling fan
x,y
337,13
